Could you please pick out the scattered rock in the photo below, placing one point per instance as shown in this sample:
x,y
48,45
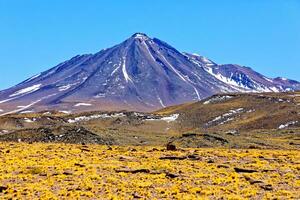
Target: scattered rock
x,y
43,174
214,138
148,171
3,188
109,148
189,135
171,175
152,150
133,171
252,181
241,170
171,147
233,132
190,157
194,157
68,173
269,170
223,166
253,147
173,157
133,150
79,165
136,195
267,187
85,149
293,143
127,158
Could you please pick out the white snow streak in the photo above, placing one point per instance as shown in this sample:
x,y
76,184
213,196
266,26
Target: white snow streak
x,y
115,70
267,79
177,72
160,101
6,100
27,90
99,116
217,99
127,78
82,104
64,87
21,108
147,48
198,96
27,120
283,126
181,76
226,117
26,111
170,118
65,111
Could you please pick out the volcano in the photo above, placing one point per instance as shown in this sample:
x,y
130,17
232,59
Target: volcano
x,y
139,74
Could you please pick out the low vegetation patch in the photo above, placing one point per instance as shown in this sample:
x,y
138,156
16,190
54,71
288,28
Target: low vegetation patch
x,y
70,171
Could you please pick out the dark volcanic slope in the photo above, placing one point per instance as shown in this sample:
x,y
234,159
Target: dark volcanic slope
x,y
140,74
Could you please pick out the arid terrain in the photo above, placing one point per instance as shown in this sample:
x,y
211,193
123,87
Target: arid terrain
x,y
264,121
67,171
233,146
150,100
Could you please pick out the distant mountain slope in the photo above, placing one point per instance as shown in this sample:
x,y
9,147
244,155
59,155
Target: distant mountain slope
x,y
141,74
242,112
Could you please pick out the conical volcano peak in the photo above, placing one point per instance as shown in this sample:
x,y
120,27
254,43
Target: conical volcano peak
x,y
142,36
139,74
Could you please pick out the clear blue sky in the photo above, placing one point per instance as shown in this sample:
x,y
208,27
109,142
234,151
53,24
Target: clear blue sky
x,y
36,35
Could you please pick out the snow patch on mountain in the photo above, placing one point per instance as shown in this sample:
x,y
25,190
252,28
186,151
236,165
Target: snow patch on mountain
x,y
217,99
27,120
283,126
226,117
22,108
167,119
65,111
270,80
27,111
140,36
173,68
220,77
116,69
97,116
126,76
26,90
148,50
161,102
64,87
82,104
170,118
